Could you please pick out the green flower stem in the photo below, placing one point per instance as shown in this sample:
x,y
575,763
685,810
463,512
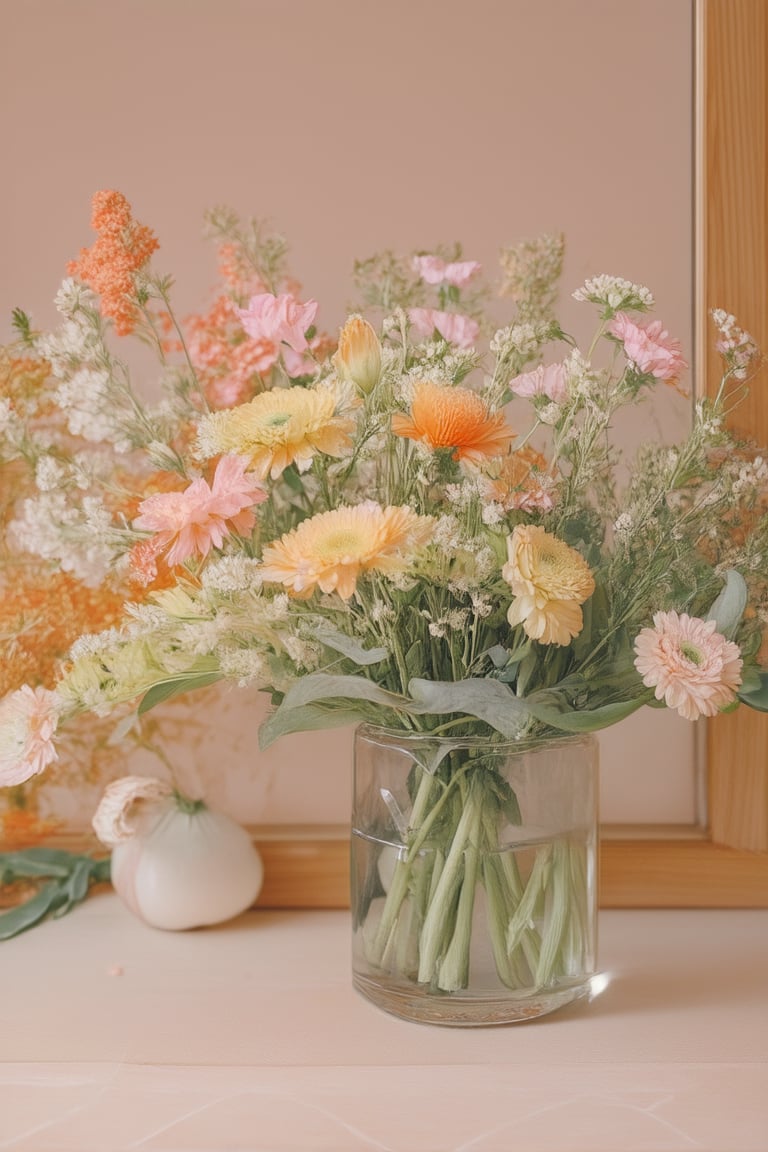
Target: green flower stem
x,y
558,914
433,932
498,918
504,891
524,914
401,876
578,927
454,969
437,871
421,823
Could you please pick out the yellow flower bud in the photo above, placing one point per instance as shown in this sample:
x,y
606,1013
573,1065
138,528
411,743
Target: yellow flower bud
x,y
358,358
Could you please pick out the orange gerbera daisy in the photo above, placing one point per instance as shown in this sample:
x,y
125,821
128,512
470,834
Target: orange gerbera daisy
x,y
520,480
332,549
445,417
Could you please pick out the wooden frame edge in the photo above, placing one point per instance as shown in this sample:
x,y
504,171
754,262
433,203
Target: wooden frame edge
x,y
308,867
314,873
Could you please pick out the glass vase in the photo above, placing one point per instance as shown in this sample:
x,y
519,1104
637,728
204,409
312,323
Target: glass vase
x,y
474,875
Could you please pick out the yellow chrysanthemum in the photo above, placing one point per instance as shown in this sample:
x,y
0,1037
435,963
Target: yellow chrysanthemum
x,y
446,417
331,550
281,427
549,580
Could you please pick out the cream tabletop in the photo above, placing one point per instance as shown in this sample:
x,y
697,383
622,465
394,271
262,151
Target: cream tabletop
x,y
250,1037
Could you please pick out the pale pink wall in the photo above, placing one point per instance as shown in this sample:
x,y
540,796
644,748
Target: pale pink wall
x,y
355,126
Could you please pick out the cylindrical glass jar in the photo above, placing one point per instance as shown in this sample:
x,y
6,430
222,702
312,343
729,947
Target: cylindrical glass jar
x,y
474,875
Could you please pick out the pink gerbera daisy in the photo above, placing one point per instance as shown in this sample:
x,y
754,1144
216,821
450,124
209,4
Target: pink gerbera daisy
x,y
692,667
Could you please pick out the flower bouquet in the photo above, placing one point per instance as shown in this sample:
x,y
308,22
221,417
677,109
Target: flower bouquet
x,y
422,527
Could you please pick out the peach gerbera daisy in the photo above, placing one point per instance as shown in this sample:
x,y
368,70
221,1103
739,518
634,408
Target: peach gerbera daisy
x,y
332,549
550,581
693,668
445,417
280,427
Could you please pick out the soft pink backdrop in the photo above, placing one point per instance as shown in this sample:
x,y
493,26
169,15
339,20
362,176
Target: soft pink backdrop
x,y
355,126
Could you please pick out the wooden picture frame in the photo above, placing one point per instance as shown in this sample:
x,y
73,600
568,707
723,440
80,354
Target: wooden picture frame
x,y
726,863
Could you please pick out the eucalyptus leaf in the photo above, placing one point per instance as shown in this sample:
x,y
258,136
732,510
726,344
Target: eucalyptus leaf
x,y
306,718
26,915
16,864
326,686
583,719
167,689
488,700
527,668
498,655
728,608
414,658
70,877
349,647
47,857
756,698
293,713
76,887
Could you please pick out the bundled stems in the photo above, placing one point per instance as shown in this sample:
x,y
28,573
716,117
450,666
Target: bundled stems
x,y
534,910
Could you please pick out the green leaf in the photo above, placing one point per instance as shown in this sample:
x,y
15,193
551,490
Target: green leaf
x,y
729,606
76,887
488,700
498,656
528,665
166,689
34,862
22,325
306,718
292,479
17,920
349,647
71,877
325,686
582,719
414,658
756,698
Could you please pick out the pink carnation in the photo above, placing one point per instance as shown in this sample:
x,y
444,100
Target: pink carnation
x,y
452,326
28,720
297,364
279,319
188,523
550,381
649,347
433,270
693,668
246,362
